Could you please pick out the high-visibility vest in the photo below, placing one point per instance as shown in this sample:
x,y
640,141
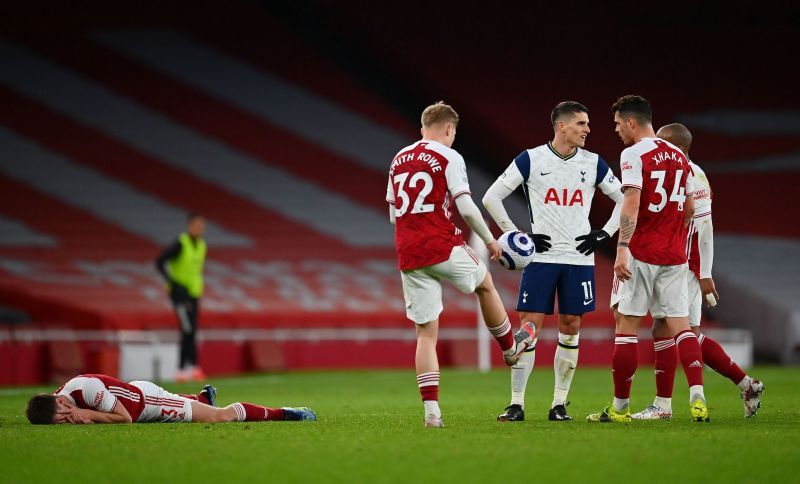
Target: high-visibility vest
x,y
187,268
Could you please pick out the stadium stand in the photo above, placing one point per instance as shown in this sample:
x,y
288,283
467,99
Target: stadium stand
x,y
113,131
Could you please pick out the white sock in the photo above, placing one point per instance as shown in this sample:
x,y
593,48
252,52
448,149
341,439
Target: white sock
x,y
745,383
663,402
695,392
520,374
432,408
620,404
564,364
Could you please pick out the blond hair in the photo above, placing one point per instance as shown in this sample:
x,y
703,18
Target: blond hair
x,y
439,113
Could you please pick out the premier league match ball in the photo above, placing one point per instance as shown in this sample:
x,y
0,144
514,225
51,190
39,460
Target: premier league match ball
x,y
518,250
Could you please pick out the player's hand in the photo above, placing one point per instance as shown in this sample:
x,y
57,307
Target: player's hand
x,y
79,416
591,241
707,287
621,264
541,242
494,250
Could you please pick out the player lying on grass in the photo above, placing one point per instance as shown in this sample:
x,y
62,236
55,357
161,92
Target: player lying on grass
x,y
90,398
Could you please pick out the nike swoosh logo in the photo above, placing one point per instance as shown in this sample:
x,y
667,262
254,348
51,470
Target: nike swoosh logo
x,y
586,303
543,174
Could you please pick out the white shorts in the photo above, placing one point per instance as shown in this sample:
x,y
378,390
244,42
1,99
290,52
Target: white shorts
x,y
652,286
695,301
422,288
161,405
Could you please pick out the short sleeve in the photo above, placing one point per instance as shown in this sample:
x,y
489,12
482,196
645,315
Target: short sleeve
x,y
631,166
606,181
690,182
456,175
390,192
517,171
97,396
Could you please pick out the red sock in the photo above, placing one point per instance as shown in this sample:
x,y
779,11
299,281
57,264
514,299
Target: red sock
x,y
624,361
429,385
503,335
691,357
197,398
247,412
666,364
716,358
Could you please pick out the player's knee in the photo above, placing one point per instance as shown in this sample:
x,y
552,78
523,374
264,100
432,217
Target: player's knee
x,y
570,325
486,286
660,329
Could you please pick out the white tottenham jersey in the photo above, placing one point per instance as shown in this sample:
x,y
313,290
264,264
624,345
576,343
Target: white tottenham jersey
x,y
559,190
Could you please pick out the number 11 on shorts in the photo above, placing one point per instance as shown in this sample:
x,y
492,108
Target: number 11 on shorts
x,y
587,290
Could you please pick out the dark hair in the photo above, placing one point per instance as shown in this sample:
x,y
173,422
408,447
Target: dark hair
x,y
193,215
41,409
634,106
570,108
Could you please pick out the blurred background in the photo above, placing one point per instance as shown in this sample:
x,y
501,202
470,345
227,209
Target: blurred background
x,y
277,121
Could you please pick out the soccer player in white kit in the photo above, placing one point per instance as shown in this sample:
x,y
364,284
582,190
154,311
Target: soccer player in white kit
x,y
700,286
425,179
651,264
559,180
96,398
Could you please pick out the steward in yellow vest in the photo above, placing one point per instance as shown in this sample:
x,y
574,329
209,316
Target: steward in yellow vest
x,y
181,265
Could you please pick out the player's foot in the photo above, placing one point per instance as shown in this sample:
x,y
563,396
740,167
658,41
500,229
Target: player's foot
x,y
653,412
699,411
434,422
513,413
298,413
559,413
523,339
210,394
752,398
610,415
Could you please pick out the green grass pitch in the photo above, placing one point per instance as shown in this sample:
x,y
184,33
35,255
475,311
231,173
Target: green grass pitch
x,y
370,430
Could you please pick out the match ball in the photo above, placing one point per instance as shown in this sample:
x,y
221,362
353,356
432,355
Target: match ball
x,y
518,250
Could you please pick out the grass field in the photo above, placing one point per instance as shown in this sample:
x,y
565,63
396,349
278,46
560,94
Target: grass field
x,y
370,430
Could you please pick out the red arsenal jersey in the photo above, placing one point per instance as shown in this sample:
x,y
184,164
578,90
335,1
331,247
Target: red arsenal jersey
x,y
661,171
424,180
103,393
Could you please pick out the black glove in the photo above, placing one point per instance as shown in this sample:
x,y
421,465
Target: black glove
x,y
591,241
178,291
540,242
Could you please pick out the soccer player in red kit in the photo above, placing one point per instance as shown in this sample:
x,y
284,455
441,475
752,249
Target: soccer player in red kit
x,y
95,398
700,285
425,179
651,265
